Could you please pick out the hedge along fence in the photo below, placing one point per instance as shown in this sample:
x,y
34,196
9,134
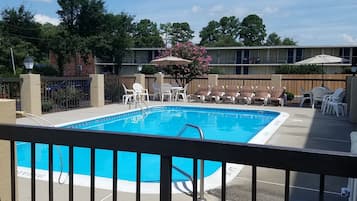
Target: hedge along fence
x,y
292,82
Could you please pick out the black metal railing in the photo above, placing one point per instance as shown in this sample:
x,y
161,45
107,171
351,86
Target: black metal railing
x,y
10,88
287,159
64,93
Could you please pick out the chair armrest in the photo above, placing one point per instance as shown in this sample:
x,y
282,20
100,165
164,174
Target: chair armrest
x,y
130,91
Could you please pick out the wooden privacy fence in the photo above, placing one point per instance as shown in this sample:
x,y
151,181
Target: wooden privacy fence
x,y
293,83
113,89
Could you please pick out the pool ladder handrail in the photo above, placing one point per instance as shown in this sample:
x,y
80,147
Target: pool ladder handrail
x,y
139,103
202,137
33,117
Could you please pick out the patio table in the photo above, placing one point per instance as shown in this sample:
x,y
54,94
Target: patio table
x,y
175,91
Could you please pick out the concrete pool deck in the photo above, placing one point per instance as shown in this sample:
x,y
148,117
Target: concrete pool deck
x,y
305,128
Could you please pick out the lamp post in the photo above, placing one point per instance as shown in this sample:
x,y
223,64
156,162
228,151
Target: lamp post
x,y
140,67
353,70
28,63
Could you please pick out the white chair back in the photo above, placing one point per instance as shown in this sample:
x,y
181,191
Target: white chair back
x,y
156,87
338,95
165,88
138,88
319,92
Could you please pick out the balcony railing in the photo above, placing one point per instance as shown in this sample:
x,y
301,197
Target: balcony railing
x,y
287,159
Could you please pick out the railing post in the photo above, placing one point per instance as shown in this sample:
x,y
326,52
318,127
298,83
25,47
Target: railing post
x,y
202,181
165,178
97,90
31,93
276,80
8,116
212,80
159,78
140,78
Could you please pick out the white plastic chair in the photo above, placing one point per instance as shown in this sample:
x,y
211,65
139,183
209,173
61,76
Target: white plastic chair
x,y
333,103
166,91
128,94
156,88
182,93
140,92
306,95
318,94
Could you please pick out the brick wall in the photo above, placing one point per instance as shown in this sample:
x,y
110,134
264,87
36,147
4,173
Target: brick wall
x,y
70,68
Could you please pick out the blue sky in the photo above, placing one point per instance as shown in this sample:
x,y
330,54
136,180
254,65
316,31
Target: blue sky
x,y
310,22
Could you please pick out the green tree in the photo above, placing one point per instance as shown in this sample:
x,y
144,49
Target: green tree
x,y
65,45
69,13
19,32
210,34
180,33
48,32
116,38
146,34
289,41
185,73
252,31
222,33
229,26
165,30
273,39
20,23
91,18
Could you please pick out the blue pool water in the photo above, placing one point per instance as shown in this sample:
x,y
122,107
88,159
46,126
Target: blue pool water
x,y
230,125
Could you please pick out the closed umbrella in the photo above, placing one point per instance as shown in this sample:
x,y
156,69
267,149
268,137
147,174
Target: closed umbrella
x,y
322,59
170,60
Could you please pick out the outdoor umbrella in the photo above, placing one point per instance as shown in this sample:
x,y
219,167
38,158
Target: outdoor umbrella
x,y
322,59
170,60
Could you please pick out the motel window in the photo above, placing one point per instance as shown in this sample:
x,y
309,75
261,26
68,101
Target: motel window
x,y
299,54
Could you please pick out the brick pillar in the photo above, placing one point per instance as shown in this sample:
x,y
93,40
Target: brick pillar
x,y
97,90
212,80
159,78
276,80
140,78
8,116
31,93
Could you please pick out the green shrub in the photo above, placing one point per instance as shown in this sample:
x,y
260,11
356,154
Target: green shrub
x,y
290,96
46,70
68,97
149,69
215,70
302,69
47,105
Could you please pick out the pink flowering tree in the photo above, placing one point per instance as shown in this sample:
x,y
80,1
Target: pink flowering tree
x,y
185,73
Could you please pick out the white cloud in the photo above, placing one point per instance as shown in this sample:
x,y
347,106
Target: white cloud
x,y
43,19
270,10
349,39
216,9
240,12
196,9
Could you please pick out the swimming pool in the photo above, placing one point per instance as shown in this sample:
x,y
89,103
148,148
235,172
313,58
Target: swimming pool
x,y
220,124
